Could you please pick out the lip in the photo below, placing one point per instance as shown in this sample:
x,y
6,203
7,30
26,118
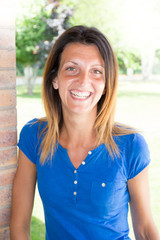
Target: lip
x,y
79,94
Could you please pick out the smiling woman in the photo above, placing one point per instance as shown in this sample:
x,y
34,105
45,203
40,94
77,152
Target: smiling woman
x,y
80,79
89,168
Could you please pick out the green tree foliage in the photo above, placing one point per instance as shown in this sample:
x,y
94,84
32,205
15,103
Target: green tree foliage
x,y
36,32
29,33
131,26
107,16
29,28
56,24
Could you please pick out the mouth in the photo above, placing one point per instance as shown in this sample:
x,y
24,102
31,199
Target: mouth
x,y
80,94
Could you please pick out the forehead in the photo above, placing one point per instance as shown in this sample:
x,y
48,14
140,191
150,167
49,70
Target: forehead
x,y
81,51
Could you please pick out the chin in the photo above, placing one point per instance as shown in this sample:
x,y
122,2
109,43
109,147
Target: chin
x,y
80,110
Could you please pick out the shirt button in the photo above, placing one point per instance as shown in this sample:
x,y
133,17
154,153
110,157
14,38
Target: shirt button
x,y
75,182
75,171
103,184
83,163
75,193
89,152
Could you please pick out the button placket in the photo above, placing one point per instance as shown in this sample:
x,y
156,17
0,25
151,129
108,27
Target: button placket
x,y
89,152
75,182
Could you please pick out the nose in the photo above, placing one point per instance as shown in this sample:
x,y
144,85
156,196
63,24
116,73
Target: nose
x,y
84,78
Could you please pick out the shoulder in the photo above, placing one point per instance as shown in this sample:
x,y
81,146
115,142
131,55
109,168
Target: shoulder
x,y
30,126
32,132
134,141
30,138
33,127
138,145
135,153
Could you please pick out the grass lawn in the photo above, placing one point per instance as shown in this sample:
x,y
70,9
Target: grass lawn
x,y
138,105
37,229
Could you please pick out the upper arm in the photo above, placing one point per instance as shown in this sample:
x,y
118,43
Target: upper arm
x,y
143,224
23,192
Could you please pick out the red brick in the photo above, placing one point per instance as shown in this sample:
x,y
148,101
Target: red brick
x,y
8,98
7,176
8,118
7,58
7,38
7,79
4,233
8,138
8,156
7,14
5,196
7,101
4,216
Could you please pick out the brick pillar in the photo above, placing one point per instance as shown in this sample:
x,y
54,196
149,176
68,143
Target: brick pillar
x,y
7,112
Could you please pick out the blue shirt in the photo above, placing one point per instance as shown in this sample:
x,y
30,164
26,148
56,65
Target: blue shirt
x,y
91,202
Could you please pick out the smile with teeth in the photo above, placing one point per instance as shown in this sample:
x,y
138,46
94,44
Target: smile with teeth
x,y
80,94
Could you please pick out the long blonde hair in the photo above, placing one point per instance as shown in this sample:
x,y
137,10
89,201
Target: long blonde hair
x,y
105,126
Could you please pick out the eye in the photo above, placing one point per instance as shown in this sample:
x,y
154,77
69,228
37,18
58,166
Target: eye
x,y
96,71
70,69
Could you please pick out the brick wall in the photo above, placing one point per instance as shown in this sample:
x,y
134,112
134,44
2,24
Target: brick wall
x,y
7,112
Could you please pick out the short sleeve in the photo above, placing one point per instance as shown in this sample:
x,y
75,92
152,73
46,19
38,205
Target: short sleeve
x,y
139,156
28,140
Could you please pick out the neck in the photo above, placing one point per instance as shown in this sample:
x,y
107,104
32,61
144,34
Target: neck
x,y
78,130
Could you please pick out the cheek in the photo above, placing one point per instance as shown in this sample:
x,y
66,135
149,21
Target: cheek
x,y
104,90
101,87
63,92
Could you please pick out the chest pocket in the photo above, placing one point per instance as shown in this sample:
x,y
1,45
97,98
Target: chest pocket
x,y
102,193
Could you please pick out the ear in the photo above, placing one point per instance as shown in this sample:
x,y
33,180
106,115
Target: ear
x,y
55,83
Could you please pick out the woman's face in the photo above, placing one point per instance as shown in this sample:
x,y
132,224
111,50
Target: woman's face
x,y
81,78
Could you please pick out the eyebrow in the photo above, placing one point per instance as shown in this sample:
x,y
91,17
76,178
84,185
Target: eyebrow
x,y
94,65
70,62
